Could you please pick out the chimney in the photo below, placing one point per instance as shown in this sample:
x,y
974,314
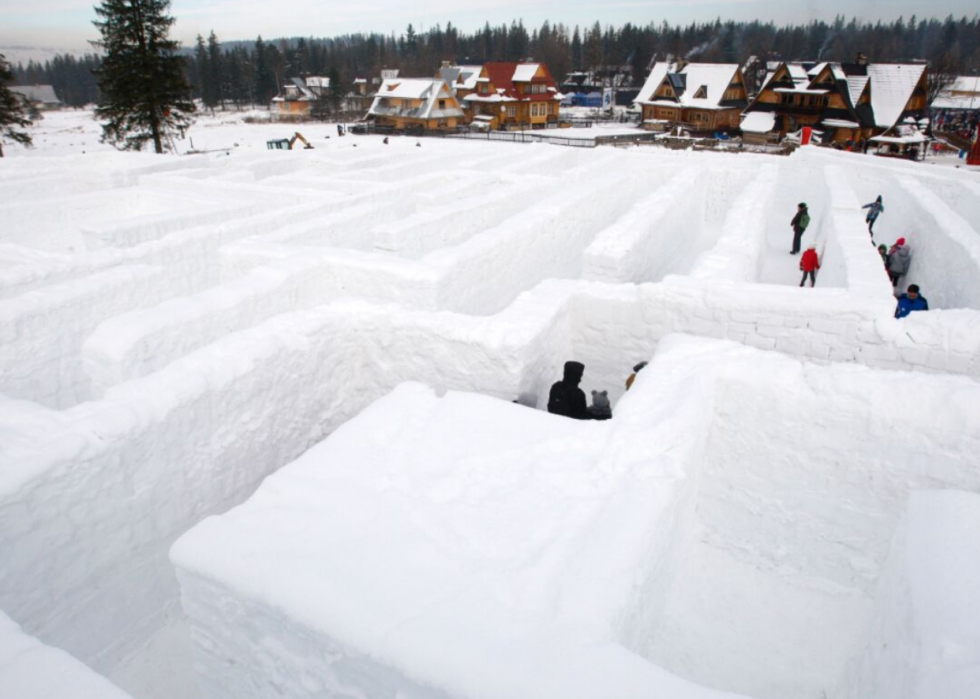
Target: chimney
x,y
447,64
862,60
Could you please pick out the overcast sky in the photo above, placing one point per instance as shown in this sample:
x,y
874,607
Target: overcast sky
x,y
66,24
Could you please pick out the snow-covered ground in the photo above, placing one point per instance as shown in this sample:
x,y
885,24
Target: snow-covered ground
x,y
174,329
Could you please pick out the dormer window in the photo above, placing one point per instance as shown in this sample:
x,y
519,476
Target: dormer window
x,y
702,93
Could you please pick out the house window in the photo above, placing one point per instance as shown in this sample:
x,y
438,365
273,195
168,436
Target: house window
x,y
442,104
484,89
512,112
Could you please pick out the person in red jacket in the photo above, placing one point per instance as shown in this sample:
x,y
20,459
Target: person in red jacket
x,y
810,263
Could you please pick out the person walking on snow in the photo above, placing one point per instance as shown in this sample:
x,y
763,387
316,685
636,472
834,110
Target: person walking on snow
x,y
566,398
899,259
875,210
883,251
810,263
911,301
799,223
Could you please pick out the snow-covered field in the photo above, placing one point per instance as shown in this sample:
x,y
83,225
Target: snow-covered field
x,y
784,505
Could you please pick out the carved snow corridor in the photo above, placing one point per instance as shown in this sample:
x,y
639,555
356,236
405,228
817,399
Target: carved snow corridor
x,y
274,424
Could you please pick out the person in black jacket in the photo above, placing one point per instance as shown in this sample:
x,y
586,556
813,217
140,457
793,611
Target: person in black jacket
x,y
566,398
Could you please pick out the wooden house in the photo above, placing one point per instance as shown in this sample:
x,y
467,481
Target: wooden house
x,y
514,96
416,103
299,95
700,97
850,101
40,97
460,79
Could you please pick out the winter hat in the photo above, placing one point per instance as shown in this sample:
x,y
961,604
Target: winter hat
x,y
914,289
882,248
802,205
900,241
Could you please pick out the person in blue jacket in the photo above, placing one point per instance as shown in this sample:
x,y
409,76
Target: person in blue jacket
x,y
911,301
875,209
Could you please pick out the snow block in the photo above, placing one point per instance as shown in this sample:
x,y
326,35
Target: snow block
x,y
31,670
925,639
459,546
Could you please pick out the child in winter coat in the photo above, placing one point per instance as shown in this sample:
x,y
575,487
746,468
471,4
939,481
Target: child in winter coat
x,y
875,209
912,301
899,259
810,263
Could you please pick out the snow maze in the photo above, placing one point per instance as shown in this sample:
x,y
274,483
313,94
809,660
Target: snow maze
x,y
273,425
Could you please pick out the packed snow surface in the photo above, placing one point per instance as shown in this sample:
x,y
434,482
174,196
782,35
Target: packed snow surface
x,y
728,516
175,329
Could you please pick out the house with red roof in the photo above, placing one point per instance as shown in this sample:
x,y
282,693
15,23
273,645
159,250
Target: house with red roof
x,y
514,96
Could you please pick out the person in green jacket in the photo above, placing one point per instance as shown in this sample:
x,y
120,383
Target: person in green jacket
x,y
799,223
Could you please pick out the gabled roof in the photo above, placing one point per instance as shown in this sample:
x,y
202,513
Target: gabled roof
x,y
699,85
656,76
502,75
37,93
460,77
892,85
428,90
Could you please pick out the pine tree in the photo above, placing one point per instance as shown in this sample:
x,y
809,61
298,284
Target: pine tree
x,y
336,89
200,73
144,91
13,109
216,72
577,54
265,80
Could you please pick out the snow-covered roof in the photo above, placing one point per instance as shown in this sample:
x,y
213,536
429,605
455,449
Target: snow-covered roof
x,y
855,87
37,93
759,122
840,124
707,79
892,85
900,140
797,73
525,72
460,77
965,83
964,93
801,90
656,76
428,90
700,85
304,90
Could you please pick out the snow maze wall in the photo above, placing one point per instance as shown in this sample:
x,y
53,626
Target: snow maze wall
x,y
172,334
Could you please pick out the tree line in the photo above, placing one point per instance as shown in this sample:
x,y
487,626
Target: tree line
x,y
253,72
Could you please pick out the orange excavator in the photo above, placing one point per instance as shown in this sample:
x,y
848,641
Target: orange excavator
x,y
288,143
